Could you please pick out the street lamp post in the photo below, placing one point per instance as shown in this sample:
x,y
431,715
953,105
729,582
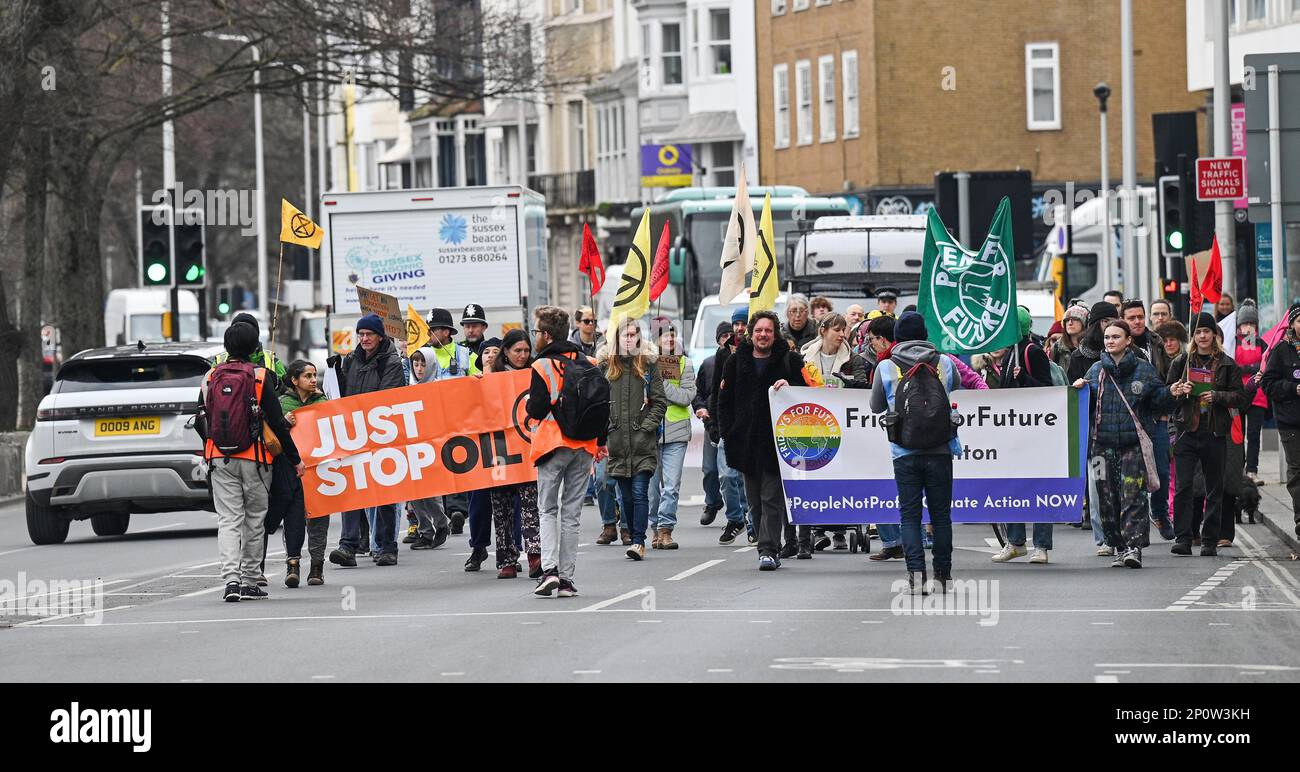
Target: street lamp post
x,y
1102,92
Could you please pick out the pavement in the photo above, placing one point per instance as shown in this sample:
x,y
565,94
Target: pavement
x,y
702,613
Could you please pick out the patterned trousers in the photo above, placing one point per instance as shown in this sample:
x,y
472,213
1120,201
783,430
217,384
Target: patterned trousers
x,y
503,521
1123,500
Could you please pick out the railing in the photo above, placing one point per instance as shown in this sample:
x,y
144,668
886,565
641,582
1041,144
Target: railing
x,y
568,190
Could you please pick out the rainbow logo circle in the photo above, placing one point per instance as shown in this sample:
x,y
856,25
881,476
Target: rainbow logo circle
x,y
807,436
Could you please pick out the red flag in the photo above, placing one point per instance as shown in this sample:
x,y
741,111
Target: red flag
x,y
1194,289
659,272
590,262
1212,287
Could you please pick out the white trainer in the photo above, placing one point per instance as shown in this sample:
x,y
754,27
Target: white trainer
x,y
1010,552
1039,556
1105,551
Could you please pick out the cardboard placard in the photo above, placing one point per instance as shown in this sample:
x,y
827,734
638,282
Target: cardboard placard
x,y
670,368
373,302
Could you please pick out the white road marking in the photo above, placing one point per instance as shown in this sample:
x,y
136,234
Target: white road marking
x,y
1254,550
20,549
530,623
695,570
872,622
1201,665
43,620
648,621
992,542
612,601
138,594
321,677
453,673
1106,679
988,671
584,545
189,632
194,576
693,501
719,670
159,528
1220,624
1117,672
203,592
760,621
586,672
1103,623
1201,589
746,549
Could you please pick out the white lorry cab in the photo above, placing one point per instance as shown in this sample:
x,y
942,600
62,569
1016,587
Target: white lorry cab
x,y
133,315
442,248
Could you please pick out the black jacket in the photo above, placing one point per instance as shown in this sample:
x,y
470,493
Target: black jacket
x,y
744,418
720,358
801,337
1228,395
361,375
1038,373
704,388
272,414
1281,376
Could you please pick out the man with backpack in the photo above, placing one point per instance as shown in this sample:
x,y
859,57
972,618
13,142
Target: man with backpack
x,y
745,423
569,398
1026,365
373,366
235,402
912,387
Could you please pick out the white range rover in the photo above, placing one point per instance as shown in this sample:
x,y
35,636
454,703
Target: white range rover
x,y
115,436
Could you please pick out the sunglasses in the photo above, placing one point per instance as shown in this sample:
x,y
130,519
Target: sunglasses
x,y
586,321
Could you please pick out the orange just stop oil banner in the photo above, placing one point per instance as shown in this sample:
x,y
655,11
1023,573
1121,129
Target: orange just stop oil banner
x,y
415,442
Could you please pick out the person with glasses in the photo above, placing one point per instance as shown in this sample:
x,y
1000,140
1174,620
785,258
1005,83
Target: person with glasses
x,y
586,335
798,327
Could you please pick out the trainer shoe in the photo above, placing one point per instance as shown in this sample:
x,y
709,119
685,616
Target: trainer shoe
x,y
534,566
507,572
767,563
729,533
1133,558
476,558
422,543
805,551
1165,527
1105,551
549,582
1208,551
1010,552
252,592
636,551
387,559
1181,548
709,515
567,589
344,557
440,537
411,534
1118,562
232,592
823,541
838,542
1039,556
789,550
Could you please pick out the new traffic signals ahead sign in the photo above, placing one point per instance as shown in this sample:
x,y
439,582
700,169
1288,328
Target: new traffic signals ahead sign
x,y
1220,179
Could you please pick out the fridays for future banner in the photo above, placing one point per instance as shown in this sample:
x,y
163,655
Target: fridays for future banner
x,y
1022,458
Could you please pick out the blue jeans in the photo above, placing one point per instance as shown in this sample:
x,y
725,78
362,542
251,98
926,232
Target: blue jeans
x,y
890,535
606,493
712,492
1042,534
635,492
1160,499
383,532
350,537
931,475
733,487
666,485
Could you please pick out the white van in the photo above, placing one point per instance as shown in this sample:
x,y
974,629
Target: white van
x,y
132,315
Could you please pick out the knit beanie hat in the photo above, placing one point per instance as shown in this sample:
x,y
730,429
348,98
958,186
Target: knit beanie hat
x,y
371,322
910,326
1248,313
1075,312
1204,319
740,315
1056,329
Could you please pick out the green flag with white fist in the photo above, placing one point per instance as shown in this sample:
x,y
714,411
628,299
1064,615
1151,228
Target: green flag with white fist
x,y
968,299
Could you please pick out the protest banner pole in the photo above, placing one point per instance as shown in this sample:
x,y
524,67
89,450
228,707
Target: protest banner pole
x,y
275,313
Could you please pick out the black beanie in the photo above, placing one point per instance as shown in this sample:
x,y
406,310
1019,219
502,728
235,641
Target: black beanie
x,y
246,318
1101,310
910,326
1292,313
1204,319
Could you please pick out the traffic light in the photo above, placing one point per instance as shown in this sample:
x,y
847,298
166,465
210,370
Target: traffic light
x,y
224,306
1172,228
237,293
155,248
191,263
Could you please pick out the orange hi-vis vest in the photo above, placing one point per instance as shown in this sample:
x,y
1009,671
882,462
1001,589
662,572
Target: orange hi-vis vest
x,y
257,451
547,436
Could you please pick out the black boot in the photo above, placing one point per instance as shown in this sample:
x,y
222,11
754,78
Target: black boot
x,y
476,559
911,582
805,550
317,575
291,571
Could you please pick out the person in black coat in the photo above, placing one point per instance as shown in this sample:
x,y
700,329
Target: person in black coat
x,y
1281,381
745,422
730,481
700,405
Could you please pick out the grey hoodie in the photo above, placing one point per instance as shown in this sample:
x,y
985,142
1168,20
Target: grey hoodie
x,y
906,355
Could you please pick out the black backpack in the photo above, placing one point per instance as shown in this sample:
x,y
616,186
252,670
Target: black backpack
x,y
924,412
582,411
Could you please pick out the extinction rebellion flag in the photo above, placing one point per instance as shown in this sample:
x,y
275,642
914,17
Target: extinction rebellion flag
x,y
968,299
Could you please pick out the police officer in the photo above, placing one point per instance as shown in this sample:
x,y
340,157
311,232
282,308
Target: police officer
x,y
887,300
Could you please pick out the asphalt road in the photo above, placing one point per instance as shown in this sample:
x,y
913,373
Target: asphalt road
x,y
700,613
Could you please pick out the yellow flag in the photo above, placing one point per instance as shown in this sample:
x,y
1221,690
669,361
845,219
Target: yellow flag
x,y
297,228
765,285
633,297
417,332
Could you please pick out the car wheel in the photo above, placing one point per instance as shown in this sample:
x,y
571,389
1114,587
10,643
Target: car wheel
x,y
110,525
44,525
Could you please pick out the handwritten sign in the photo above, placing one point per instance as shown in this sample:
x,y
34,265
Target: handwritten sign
x,y
373,302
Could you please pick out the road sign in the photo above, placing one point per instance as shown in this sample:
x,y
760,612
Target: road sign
x,y
1257,139
1220,179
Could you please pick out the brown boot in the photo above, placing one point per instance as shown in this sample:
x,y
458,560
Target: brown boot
x,y
666,539
317,575
607,535
654,542
625,536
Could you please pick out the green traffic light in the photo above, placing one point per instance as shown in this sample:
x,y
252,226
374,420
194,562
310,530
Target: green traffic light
x,y
223,308
157,272
193,273
1176,239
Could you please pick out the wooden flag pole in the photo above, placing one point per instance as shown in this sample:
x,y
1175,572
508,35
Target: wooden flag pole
x,y
275,314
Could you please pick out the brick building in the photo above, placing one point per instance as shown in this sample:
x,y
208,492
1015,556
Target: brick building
x,y
873,97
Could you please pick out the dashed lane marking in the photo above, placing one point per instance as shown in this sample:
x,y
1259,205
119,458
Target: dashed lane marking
x,y
1256,552
692,571
1201,589
1106,679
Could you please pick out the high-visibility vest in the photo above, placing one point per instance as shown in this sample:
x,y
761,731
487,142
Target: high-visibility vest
x,y
254,452
547,436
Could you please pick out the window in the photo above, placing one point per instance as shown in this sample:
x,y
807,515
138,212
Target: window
x,y
724,163
781,104
647,70
1043,86
577,136
778,7
823,2
826,78
803,92
801,5
719,41
1256,11
671,40
849,76
697,67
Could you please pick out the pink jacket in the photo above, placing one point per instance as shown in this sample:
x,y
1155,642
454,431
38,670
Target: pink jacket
x,y
1250,359
969,378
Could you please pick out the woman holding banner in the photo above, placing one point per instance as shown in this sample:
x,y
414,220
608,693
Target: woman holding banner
x,y
515,354
637,404
286,502
1130,394
1207,383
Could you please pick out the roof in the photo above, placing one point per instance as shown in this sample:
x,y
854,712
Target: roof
x,y
200,348
705,127
621,80
448,109
507,114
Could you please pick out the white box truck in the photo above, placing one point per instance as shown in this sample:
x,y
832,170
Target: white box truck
x,y
435,248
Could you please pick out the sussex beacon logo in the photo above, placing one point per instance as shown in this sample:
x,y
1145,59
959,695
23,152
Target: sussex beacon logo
x,y
807,436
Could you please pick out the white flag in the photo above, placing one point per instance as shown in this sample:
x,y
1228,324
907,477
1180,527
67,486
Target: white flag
x,y
738,247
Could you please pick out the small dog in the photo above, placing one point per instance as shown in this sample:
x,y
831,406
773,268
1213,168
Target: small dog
x,y
1249,500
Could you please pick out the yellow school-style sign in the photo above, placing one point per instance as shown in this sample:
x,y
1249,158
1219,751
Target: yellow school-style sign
x,y
298,228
